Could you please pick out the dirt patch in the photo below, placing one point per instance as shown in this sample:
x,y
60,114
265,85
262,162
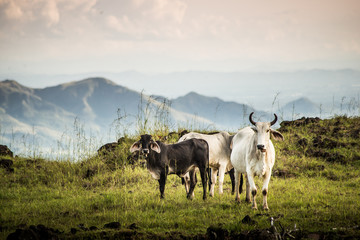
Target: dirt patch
x,y
35,232
89,173
248,220
113,231
331,157
326,142
112,225
7,164
5,151
303,142
332,140
282,173
285,125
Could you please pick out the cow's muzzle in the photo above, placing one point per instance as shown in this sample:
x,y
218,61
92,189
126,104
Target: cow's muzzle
x,y
145,151
261,147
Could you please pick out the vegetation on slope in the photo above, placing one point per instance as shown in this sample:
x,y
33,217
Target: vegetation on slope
x,y
314,191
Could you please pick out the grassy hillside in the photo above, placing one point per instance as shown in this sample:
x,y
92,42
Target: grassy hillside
x,y
314,192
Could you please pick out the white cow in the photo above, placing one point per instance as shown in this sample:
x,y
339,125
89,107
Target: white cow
x,y
219,155
253,153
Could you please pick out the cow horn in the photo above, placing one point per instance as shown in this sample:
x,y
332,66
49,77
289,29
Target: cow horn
x,y
274,121
250,119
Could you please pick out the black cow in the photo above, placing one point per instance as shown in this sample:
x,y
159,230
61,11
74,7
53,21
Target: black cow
x,y
163,159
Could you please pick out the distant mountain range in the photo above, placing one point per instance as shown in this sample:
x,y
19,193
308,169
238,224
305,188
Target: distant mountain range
x,y
227,115
302,106
103,106
94,104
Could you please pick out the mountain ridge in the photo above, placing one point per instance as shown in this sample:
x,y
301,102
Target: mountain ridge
x,y
217,110
94,101
91,97
98,101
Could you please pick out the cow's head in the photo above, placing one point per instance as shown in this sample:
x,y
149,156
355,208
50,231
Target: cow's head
x,y
145,144
264,131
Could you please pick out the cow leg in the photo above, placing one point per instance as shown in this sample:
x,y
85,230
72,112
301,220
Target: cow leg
x,y
204,181
248,197
237,183
190,173
252,188
221,178
213,181
265,189
232,178
190,194
162,182
186,181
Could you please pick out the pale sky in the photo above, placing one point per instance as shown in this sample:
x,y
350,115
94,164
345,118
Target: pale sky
x,y
156,36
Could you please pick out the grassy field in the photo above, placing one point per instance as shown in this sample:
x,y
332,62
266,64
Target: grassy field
x,y
314,193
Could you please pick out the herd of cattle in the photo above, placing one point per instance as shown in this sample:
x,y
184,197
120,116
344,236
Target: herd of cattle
x,y
250,152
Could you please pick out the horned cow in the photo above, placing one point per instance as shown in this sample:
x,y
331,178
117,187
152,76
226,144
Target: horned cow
x,y
253,153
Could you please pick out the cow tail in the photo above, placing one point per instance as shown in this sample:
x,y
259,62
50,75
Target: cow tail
x,y
241,184
209,175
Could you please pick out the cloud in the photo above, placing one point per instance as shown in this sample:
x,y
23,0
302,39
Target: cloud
x,y
51,13
173,10
201,34
47,12
166,9
13,11
79,5
149,20
120,25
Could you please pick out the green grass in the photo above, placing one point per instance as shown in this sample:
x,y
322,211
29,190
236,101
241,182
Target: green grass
x,y
314,194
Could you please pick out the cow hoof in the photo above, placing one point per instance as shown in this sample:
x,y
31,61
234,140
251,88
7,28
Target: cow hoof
x,y
266,208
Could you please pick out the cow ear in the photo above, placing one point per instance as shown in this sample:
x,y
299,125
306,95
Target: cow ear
x,y
254,128
276,135
155,147
135,147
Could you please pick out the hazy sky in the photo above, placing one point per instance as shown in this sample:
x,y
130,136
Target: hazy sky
x,y
79,36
